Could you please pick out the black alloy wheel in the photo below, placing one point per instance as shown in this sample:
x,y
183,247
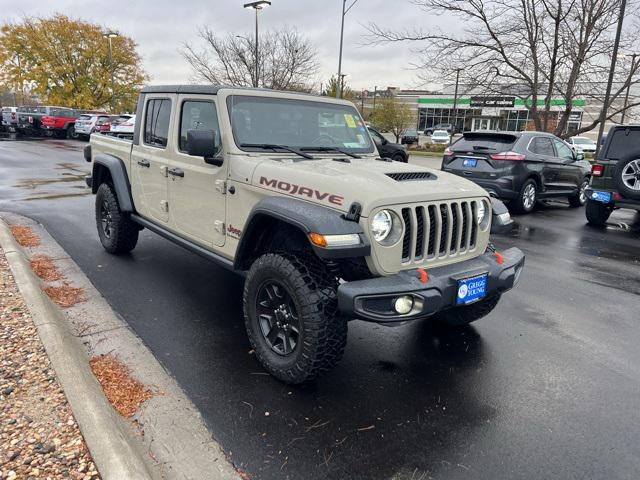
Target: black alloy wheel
x,y
278,318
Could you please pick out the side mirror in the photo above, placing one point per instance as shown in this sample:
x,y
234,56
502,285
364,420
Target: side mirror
x,y
203,143
579,156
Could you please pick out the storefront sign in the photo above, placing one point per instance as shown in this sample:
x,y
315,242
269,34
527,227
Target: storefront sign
x,y
481,102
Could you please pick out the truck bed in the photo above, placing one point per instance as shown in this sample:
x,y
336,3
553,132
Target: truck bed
x,y
118,147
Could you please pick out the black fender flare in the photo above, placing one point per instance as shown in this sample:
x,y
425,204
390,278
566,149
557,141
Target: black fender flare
x,y
308,218
119,177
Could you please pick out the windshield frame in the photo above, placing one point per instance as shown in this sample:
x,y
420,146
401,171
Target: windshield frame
x,y
346,107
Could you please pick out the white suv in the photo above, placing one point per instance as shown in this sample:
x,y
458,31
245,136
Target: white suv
x,y
86,124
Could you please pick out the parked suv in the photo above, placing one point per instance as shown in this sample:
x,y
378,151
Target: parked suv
x,y
87,124
615,178
520,167
448,127
60,122
287,189
388,149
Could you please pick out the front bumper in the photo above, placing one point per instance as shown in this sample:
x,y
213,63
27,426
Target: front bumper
x,y
373,299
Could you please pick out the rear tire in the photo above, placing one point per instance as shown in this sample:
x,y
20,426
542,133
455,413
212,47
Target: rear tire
x,y
117,232
461,316
580,198
296,331
597,213
527,198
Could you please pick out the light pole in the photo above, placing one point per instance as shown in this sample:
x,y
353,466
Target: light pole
x,y
109,35
340,86
607,95
257,6
626,95
345,10
455,107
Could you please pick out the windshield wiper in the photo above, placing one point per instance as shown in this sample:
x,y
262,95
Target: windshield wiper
x,y
330,149
273,146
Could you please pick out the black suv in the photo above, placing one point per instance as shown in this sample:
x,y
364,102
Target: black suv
x,y
615,178
520,167
450,128
387,149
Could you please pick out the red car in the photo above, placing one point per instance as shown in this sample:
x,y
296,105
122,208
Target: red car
x,y
60,122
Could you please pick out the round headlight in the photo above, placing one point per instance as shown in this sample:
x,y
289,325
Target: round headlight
x,y
381,225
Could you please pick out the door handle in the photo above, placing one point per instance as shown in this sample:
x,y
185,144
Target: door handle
x,y
144,163
176,172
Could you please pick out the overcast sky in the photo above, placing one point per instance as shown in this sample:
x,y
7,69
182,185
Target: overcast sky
x,y
160,27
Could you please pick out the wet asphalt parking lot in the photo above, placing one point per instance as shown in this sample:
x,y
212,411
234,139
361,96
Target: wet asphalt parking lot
x,y
547,386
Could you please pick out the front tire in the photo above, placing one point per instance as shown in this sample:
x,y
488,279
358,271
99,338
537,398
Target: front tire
x,y
580,198
461,316
527,198
597,213
291,317
117,232
398,157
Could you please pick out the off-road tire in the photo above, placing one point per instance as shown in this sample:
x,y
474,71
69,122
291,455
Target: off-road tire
x,y
520,203
621,186
461,316
123,235
71,132
323,332
579,199
597,213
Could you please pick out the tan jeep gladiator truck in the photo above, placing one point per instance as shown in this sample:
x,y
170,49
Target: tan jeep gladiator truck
x,y
289,191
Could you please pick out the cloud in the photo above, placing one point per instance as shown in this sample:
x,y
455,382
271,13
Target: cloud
x,y
161,27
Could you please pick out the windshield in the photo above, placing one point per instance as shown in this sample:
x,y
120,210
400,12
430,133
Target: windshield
x,y
440,133
297,124
582,141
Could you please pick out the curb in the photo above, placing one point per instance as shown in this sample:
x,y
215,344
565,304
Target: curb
x,y
113,452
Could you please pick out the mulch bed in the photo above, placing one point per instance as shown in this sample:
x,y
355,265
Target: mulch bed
x,y
124,392
39,437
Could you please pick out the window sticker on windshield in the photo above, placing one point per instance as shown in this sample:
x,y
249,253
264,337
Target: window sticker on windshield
x,y
350,121
360,138
352,145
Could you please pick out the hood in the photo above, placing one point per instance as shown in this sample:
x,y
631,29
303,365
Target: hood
x,y
367,181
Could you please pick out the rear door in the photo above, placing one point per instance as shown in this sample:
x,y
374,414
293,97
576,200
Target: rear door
x,y
542,153
150,158
569,173
196,189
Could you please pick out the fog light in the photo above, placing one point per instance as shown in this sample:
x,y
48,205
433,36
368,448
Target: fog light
x,y
404,304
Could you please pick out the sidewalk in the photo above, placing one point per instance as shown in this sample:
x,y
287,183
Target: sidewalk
x,y
40,437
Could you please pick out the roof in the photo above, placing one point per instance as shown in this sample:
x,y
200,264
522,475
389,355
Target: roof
x,y
210,89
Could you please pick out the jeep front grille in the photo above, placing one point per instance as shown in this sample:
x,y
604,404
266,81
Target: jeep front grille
x,y
439,230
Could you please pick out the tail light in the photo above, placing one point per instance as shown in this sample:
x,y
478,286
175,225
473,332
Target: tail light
x,y
507,156
448,151
597,170
13,115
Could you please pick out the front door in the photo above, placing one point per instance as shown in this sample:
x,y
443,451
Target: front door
x,y
197,192
150,159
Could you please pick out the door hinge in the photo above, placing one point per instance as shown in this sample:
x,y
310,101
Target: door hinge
x,y
219,226
221,186
164,206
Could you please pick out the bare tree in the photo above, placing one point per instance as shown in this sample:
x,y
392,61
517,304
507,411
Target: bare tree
x,y
287,60
532,49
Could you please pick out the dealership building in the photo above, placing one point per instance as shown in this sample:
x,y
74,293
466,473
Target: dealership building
x,y
472,112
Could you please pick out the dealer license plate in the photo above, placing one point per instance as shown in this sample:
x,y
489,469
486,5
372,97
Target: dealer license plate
x,y
471,289
604,197
469,162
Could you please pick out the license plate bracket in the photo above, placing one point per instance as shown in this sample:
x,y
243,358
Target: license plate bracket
x,y
471,289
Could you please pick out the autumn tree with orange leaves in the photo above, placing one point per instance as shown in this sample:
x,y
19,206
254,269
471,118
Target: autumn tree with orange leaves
x,y
65,62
